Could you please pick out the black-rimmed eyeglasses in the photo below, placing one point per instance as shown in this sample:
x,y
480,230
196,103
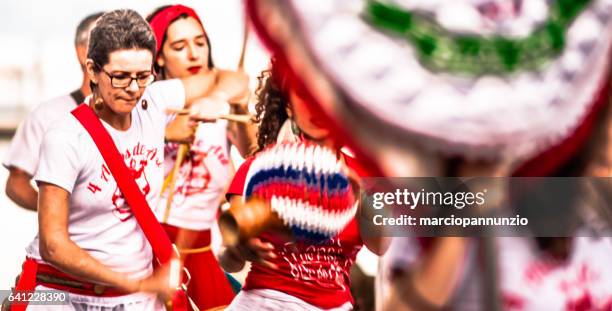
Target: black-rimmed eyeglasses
x,y
123,80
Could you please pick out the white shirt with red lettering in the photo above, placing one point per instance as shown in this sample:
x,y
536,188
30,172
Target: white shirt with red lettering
x,y
201,181
527,279
99,221
532,281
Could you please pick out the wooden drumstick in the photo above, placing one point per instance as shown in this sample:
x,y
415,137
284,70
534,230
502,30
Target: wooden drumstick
x,y
241,118
182,151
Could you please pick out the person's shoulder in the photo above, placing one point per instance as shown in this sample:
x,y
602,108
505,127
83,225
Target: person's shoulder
x,y
53,109
65,127
247,163
165,93
354,163
237,185
224,73
161,86
56,106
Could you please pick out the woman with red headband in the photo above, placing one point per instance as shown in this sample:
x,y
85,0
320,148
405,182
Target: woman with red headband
x,y
197,186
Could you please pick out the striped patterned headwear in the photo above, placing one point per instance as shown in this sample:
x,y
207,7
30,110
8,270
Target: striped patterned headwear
x,y
306,187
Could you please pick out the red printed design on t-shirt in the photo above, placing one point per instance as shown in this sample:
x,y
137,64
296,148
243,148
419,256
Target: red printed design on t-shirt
x,y
137,160
194,174
537,271
137,169
572,285
577,289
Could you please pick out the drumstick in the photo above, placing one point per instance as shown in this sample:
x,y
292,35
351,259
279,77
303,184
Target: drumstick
x,y
242,118
245,39
182,151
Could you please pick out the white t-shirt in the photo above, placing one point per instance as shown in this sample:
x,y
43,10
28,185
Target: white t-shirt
x,y
25,146
527,281
531,282
99,220
202,179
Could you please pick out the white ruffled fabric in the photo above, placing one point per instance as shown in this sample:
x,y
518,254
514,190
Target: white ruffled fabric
x,y
514,116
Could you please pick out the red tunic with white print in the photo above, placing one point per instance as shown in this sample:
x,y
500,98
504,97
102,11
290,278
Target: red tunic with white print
x,y
317,274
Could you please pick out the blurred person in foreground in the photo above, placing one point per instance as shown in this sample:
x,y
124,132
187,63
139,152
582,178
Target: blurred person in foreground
x,y
468,88
23,155
288,274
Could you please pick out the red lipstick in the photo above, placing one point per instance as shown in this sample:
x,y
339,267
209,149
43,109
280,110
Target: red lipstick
x,y
194,69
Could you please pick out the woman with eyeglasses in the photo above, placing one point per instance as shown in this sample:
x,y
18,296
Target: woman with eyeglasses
x,y
89,241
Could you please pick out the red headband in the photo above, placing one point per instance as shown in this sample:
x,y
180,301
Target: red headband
x,y
165,17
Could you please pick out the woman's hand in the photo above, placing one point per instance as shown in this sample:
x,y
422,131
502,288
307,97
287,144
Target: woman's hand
x,y
57,249
208,109
256,250
158,283
232,258
181,130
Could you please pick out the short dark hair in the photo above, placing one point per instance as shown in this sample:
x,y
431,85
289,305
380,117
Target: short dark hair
x,y
150,17
119,30
82,32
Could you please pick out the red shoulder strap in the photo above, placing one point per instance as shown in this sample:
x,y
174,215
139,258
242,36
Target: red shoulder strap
x,y
162,247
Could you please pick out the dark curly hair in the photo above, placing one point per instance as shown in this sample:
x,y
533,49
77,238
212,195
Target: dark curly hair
x,y
271,107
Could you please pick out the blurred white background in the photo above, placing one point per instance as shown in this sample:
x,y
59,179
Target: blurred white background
x,y
38,62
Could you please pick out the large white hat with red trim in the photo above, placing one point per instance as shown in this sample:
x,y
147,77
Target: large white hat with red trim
x,y
480,79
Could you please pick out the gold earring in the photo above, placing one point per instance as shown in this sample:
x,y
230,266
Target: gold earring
x,y
98,103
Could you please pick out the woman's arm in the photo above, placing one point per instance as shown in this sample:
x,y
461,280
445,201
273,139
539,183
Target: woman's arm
x,y
19,189
228,87
242,135
374,239
57,249
224,85
432,280
235,85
